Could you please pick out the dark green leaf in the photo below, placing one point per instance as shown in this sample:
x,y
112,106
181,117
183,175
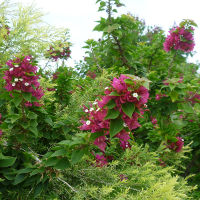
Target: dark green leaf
x,y
51,162
37,171
116,125
128,108
49,121
34,130
38,189
32,115
27,96
77,155
60,152
19,178
62,164
17,100
112,114
111,104
7,161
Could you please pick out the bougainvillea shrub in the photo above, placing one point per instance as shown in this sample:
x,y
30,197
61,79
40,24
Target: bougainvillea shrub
x,y
116,114
180,38
99,130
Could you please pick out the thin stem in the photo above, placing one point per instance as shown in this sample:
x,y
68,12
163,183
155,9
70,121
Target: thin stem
x,y
67,184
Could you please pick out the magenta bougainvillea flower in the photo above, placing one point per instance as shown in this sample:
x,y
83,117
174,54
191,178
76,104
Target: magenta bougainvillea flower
x,y
101,160
176,146
59,51
180,38
120,93
22,76
193,97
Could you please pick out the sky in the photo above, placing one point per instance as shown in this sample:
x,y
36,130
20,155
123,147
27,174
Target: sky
x,y
79,17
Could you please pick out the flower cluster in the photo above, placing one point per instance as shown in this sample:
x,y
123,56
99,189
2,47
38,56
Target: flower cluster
x,y
180,38
91,74
62,51
176,146
193,97
124,92
21,76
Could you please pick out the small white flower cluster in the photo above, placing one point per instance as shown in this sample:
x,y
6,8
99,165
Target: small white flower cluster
x,y
135,95
16,65
88,122
145,105
91,109
125,125
106,88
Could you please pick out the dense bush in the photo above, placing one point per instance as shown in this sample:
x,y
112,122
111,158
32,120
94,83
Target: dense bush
x,y
123,124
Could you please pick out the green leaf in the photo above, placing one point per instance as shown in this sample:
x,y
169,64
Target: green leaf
x,y
19,178
14,118
95,135
60,152
37,171
112,114
32,115
187,107
51,162
111,104
116,125
27,96
62,164
33,123
24,171
49,121
34,130
114,93
17,100
7,161
174,96
129,81
38,189
77,155
128,108
65,142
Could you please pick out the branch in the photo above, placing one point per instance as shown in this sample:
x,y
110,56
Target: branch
x,y
67,184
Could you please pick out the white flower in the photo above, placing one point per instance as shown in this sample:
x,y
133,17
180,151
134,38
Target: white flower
x,y
26,84
145,105
95,103
135,95
98,109
13,84
11,69
88,122
91,109
16,79
21,79
125,125
86,110
106,88
182,139
16,65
